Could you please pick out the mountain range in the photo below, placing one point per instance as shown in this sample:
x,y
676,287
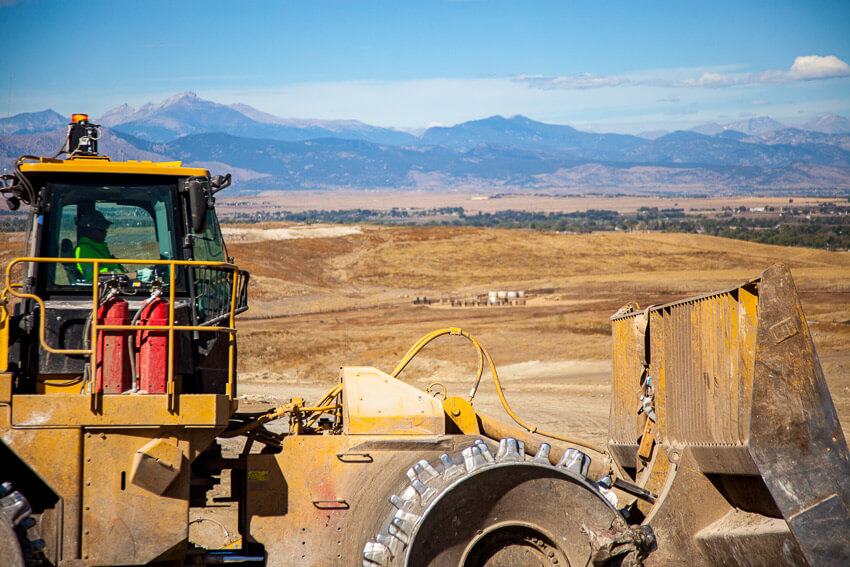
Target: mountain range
x,y
265,152
186,114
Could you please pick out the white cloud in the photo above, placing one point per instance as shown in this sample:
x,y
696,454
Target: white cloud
x,y
706,80
586,81
804,68
813,67
710,81
758,102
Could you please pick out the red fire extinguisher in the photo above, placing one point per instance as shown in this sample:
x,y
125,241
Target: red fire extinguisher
x,y
152,347
112,360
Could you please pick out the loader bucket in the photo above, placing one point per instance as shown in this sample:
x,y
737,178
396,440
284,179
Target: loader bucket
x,y
720,409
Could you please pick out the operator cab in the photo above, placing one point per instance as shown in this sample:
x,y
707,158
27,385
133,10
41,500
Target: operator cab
x,y
139,225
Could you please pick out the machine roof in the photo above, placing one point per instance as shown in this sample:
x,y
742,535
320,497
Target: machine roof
x,y
102,164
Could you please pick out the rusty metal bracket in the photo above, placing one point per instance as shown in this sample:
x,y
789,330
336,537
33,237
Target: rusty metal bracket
x,y
461,413
635,490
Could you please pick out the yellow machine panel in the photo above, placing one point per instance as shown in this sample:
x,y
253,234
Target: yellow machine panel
x,y
377,403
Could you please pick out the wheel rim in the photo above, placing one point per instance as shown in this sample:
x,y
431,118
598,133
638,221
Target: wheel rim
x,y
513,544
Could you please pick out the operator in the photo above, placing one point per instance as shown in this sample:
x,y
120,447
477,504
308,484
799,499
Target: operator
x,y
92,227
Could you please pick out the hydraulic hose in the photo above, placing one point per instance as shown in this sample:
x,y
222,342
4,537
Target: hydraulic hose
x,y
30,196
322,407
484,355
420,344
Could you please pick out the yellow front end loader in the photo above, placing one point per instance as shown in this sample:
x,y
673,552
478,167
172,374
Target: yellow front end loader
x,y
118,390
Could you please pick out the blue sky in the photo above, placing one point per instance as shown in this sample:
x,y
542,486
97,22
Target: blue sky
x,y
605,66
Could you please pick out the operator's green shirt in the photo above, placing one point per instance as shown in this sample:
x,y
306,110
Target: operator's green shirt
x,y
88,248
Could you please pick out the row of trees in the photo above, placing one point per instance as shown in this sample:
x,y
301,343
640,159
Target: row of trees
x,y
816,227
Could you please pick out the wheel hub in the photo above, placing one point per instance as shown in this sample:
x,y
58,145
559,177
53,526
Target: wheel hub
x,y
509,545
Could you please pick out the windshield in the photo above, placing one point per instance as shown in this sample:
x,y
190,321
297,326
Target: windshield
x,y
108,221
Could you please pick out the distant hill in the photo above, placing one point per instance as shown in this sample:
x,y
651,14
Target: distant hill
x,y
798,137
696,163
829,124
345,129
32,122
117,145
754,126
750,127
683,147
731,135
496,153
652,134
682,136
709,128
522,132
181,115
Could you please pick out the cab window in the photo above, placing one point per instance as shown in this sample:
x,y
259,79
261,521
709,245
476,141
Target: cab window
x,y
209,245
108,221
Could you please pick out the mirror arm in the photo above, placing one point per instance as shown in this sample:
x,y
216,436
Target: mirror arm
x,y
220,182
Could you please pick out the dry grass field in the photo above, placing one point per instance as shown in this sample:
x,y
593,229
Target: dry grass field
x,y
318,303
322,297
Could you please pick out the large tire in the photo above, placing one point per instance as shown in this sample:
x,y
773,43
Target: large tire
x,y
16,550
481,510
11,554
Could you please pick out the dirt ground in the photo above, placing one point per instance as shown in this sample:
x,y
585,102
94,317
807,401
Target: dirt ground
x,y
322,302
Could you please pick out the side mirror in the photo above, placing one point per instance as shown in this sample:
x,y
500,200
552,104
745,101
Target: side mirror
x,y
220,182
197,204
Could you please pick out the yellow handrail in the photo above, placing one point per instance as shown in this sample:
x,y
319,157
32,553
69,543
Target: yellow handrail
x,y
171,328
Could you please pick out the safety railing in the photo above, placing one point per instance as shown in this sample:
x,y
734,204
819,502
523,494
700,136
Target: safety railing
x,y
227,292
213,287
